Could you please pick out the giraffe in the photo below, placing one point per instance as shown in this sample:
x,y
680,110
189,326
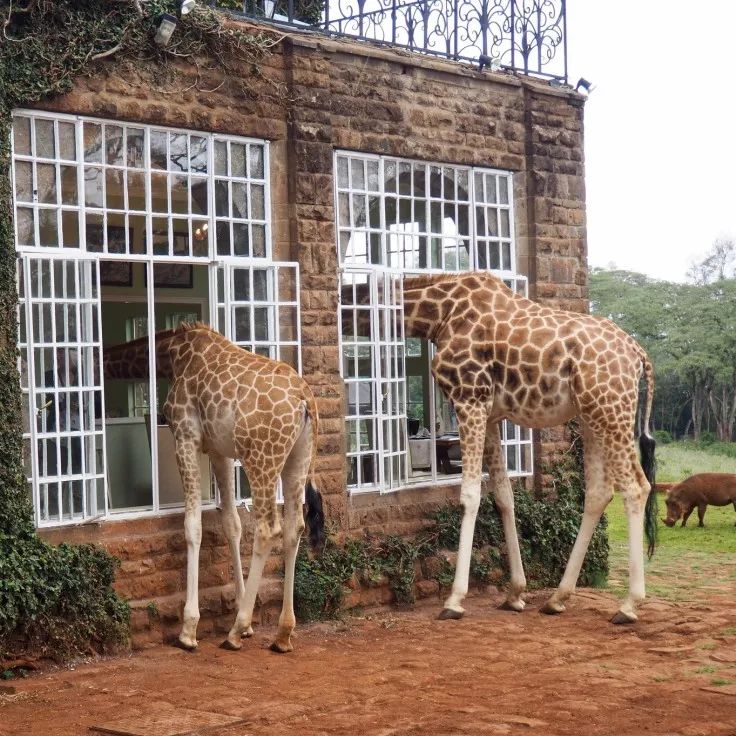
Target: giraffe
x,y
501,356
230,403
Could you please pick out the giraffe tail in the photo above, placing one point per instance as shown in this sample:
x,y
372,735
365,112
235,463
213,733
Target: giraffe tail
x,y
314,516
647,445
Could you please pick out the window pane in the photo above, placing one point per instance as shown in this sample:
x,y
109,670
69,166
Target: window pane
x,y
114,145
92,142
22,135
23,181
135,147
45,143
256,162
46,183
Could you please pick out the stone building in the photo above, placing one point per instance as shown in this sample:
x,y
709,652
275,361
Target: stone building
x,y
346,164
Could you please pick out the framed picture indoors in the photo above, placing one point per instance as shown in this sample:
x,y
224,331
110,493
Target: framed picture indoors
x,y
173,275
116,273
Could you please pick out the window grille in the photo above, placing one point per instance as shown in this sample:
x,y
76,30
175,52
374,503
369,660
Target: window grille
x,y
90,198
399,217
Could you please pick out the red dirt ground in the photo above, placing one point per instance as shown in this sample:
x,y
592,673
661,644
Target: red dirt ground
x,y
394,672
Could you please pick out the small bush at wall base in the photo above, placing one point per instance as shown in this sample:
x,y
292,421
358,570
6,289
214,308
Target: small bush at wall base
x,y
58,601
547,529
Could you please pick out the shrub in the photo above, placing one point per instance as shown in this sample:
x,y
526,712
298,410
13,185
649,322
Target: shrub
x,y
662,436
547,530
58,601
707,439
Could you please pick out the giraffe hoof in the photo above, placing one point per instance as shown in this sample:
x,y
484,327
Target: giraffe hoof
x,y
517,606
624,618
281,647
447,614
552,609
185,646
247,633
227,644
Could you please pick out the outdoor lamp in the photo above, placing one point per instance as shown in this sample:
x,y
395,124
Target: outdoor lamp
x,y
585,84
165,29
486,60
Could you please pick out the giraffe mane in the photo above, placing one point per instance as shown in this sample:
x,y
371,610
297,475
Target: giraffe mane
x,y
433,279
187,326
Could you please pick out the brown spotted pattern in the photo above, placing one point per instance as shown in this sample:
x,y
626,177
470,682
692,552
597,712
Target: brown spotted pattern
x,y
501,356
232,404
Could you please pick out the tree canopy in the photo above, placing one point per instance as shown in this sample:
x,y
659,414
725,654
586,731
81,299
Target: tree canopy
x,y
689,331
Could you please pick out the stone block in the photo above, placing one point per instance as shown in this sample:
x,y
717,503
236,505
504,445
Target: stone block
x,y
271,590
427,588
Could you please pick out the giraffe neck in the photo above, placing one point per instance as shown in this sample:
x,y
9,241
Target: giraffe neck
x,y
130,360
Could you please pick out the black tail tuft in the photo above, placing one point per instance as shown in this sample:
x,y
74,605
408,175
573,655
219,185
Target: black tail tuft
x,y
649,466
315,517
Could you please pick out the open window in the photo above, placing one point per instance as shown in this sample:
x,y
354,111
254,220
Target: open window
x,y
401,217
123,230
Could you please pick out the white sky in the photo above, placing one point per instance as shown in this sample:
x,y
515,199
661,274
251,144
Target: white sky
x,y
660,143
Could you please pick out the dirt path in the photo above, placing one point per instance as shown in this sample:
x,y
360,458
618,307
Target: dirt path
x,y
406,673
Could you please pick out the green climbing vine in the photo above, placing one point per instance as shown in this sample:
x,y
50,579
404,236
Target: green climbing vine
x,y
547,527
60,599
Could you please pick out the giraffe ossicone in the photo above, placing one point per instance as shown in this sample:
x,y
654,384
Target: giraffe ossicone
x,y
502,356
233,404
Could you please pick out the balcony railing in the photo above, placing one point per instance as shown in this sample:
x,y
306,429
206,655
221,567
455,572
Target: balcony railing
x,y
527,36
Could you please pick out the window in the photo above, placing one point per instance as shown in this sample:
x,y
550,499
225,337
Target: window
x,y
398,217
123,230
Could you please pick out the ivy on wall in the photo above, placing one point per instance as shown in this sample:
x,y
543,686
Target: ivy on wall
x,y
60,599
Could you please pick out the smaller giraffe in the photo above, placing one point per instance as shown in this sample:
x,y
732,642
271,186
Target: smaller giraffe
x,y
501,356
230,403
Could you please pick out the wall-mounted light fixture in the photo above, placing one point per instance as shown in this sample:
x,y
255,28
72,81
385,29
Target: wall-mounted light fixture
x,y
165,29
484,60
585,85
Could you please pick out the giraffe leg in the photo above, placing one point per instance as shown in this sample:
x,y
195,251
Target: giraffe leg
x,y
496,464
294,477
187,458
472,424
267,528
224,472
635,489
598,494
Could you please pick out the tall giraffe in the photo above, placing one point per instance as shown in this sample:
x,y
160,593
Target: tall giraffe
x,y
501,356
230,403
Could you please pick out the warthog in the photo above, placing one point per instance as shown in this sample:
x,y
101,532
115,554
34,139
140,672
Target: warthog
x,y
717,489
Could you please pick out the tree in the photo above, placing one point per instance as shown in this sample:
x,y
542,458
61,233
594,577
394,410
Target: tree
x,y
718,265
689,331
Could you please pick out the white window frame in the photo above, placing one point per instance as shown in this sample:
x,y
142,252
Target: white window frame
x,y
223,303
89,434
388,449
495,243
253,157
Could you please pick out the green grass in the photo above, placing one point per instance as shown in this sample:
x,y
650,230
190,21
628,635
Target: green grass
x,y
689,564
678,460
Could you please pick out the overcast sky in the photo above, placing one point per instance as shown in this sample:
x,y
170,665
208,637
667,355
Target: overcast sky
x,y
660,129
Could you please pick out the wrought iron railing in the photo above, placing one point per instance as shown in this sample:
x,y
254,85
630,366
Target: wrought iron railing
x,y
527,36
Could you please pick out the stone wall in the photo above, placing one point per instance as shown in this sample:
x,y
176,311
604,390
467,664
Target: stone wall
x,y
316,96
